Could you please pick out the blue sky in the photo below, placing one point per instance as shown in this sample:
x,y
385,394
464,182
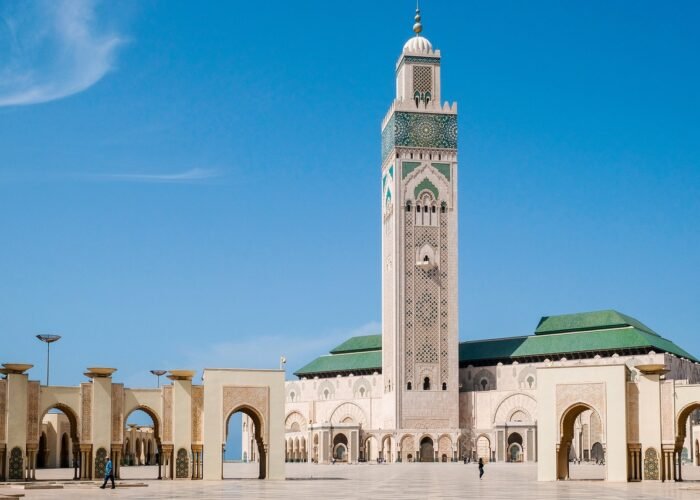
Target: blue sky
x,y
189,185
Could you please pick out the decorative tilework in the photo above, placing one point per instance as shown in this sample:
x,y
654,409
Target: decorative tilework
x,y
443,168
422,130
418,60
100,462
16,465
426,184
408,167
182,464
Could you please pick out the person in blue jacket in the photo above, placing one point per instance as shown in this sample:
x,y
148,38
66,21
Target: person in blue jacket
x,y
109,473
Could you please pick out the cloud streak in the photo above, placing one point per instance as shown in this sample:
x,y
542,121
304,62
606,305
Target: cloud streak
x,y
188,176
52,49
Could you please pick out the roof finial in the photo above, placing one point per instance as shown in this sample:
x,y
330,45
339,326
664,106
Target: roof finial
x,y
418,27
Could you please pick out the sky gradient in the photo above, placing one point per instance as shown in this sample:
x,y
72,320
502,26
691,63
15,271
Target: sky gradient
x,y
187,185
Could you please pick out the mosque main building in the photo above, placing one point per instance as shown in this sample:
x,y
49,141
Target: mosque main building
x,y
415,393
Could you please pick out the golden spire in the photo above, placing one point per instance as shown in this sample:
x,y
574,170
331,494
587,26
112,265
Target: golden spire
x,y
418,27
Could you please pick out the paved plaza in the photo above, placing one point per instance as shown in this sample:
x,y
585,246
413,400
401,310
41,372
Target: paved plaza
x,y
502,480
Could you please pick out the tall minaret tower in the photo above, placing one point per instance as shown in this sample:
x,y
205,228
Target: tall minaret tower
x,y
419,246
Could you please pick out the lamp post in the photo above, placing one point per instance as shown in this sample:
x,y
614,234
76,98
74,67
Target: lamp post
x,y
158,374
48,339
283,361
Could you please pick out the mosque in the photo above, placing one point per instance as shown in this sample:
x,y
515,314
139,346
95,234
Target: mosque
x,y
416,393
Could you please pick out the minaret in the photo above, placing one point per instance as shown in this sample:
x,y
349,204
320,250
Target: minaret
x,y
419,246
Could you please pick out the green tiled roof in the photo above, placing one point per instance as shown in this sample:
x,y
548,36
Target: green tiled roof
x,y
595,320
343,363
594,341
359,344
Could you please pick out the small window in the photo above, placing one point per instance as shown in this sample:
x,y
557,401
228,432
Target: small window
x,y
484,383
291,396
408,386
443,207
417,208
425,210
408,206
362,392
433,209
325,394
444,386
426,384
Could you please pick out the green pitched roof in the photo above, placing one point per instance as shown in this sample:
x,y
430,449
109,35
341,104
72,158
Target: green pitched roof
x,y
595,320
611,339
359,344
343,363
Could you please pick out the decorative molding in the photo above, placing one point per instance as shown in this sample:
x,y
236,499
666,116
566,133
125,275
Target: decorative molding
x,y
117,412
86,412
3,409
240,397
197,410
168,413
33,412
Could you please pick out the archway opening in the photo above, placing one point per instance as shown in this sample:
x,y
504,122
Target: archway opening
x,y
385,452
427,450
515,447
141,455
243,450
340,447
581,425
483,449
689,414
59,446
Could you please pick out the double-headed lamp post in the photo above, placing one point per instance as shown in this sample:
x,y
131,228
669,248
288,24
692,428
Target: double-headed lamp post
x,y
158,374
48,339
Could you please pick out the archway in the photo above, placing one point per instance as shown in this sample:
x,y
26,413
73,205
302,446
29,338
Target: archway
x,y
385,452
682,426
138,460
65,452
515,447
251,442
42,454
340,447
427,450
59,445
570,428
483,449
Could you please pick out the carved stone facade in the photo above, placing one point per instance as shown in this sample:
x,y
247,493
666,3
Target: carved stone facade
x,y
257,398
167,414
197,412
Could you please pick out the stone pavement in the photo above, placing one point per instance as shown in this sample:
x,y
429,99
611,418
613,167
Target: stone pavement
x,y
372,481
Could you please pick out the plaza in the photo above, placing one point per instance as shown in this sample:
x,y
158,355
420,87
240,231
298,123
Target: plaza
x,y
592,404
387,481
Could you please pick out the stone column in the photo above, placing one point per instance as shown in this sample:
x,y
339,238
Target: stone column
x,y
16,430
101,410
182,414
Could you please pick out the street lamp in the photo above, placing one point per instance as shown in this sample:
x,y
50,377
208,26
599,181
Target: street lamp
x,y
158,374
48,339
283,361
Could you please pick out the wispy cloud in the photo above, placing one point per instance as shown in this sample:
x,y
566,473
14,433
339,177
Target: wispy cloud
x,y
192,175
263,351
50,49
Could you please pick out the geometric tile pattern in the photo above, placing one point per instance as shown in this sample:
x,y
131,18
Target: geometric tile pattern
x,y
419,130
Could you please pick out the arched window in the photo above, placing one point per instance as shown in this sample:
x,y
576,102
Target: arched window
x,y
433,209
326,394
291,396
484,384
427,98
408,206
416,97
443,207
426,384
408,386
444,386
417,209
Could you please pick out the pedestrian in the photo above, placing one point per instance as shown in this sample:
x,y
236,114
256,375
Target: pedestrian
x,y
109,474
481,467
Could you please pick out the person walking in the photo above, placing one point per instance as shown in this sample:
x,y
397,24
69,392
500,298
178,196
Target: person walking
x,y
481,467
109,474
